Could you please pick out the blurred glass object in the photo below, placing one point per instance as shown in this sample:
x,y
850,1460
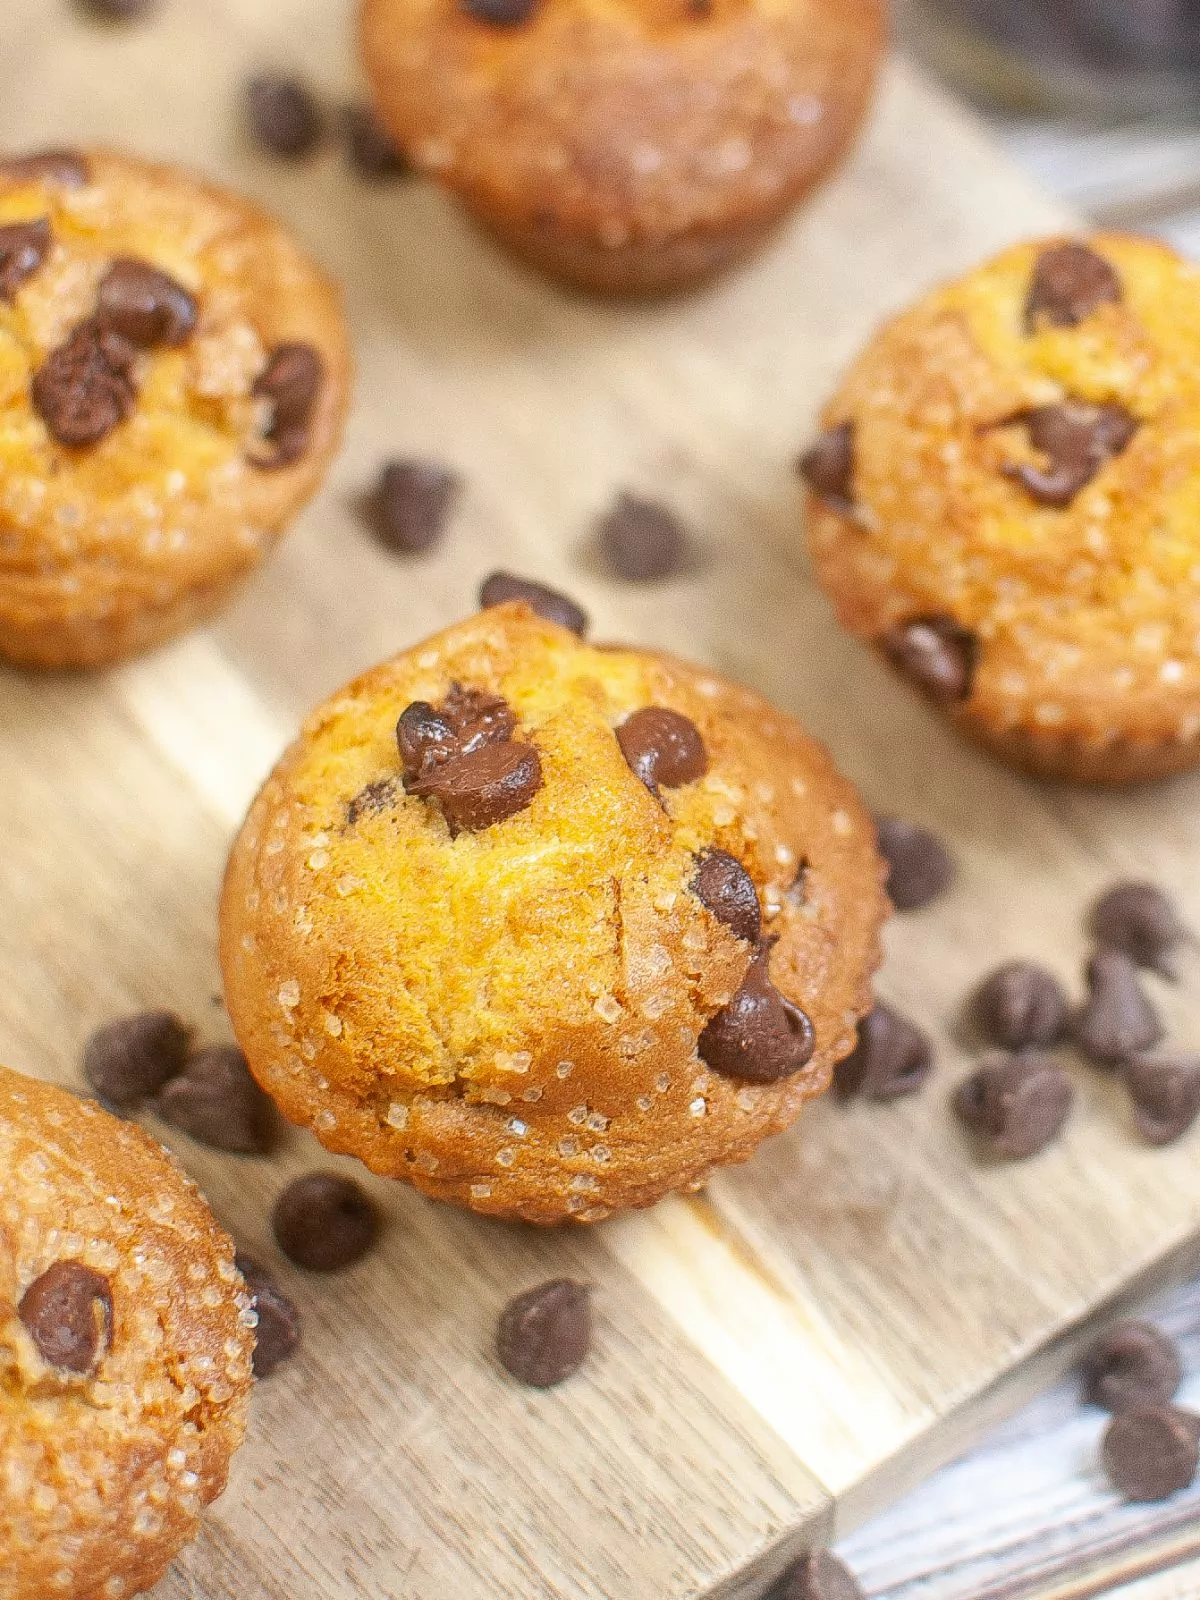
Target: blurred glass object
x,y
1110,59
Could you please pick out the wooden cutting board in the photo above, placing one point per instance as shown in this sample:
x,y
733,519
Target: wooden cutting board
x,y
789,1350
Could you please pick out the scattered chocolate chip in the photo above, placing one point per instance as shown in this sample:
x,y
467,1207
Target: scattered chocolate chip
x,y
663,748
1079,439
410,505
1070,281
544,1334
1131,1364
760,1035
920,868
466,720
1165,1090
67,168
828,468
144,305
641,540
818,1576
545,602
1151,1452
1140,919
1015,1105
277,1336
372,151
727,889
68,1313
85,388
1116,1021
23,248
284,115
217,1102
376,796
324,1222
117,10
501,13
891,1058
481,787
936,653
291,381
130,1059
1021,1006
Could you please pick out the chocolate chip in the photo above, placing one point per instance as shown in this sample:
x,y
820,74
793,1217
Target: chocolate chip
x,y
68,1313
144,305
891,1058
291,381
117,10
1020,1006
828,468
482,787
410,506
760,1035
818,1576
1140,919
24,246
284,116
324,1222
277,1335
1151,1452
641,540
1116,1021
1131,1364
466,720
127,1060
424,736
544,1334
85,388
937,654
1070,281
375,797
217,1102
920,868
1079,439
372,151
727,889
663,748
67,168
1165,1090
501,13
1015,1105
545,602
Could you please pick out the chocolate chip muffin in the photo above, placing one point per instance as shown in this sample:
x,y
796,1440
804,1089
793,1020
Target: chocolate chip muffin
x,y
1005,503
633,148
174,373
548,930
125,1347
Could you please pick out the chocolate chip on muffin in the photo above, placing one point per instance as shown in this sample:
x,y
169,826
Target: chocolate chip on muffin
x,y
663,748
892,1058
1070,281
284,115
128,1060
920,868
69,169
1131,1364
1077,439
827,467
411,504
324,1222
1142,920
1015,1105
291,383
936,654
545,1334
68,1313
1117,1020
760,1036
24,247
462,754
1020,1006
643,541
1165,1091
501,587
144,305
86,388
727,889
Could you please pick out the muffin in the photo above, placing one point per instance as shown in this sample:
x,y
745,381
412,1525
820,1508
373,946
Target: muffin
x,y
125,1346
629,149
174,373
1005,501
548,930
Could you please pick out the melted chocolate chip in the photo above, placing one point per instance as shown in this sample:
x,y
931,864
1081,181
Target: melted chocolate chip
x,y
544,1334
663,748
483,786
641,540
1021,1006
1140,919
144,305
284,116
1070,281
24,246
217,1102
828,468
85,388
920,868
411,504
467,719
892,1058
501,13
1015,1105
1151,1452
277,1335
1116,1021
1165,1090
424,736
727,889
324,1222
68,1313
817,1576
291,380
1079,439
1131,1364
130,1059
372,151
67,168
937,654
547,603
760,1035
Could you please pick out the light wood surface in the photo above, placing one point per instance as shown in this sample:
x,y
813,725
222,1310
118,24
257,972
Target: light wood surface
x,y
787,1352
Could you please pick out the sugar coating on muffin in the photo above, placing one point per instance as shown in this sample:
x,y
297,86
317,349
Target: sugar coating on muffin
x,y
173,372
629,148
126,1336
515,1002
1006,500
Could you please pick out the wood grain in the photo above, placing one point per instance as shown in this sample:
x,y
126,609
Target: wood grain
x,y
790,1349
